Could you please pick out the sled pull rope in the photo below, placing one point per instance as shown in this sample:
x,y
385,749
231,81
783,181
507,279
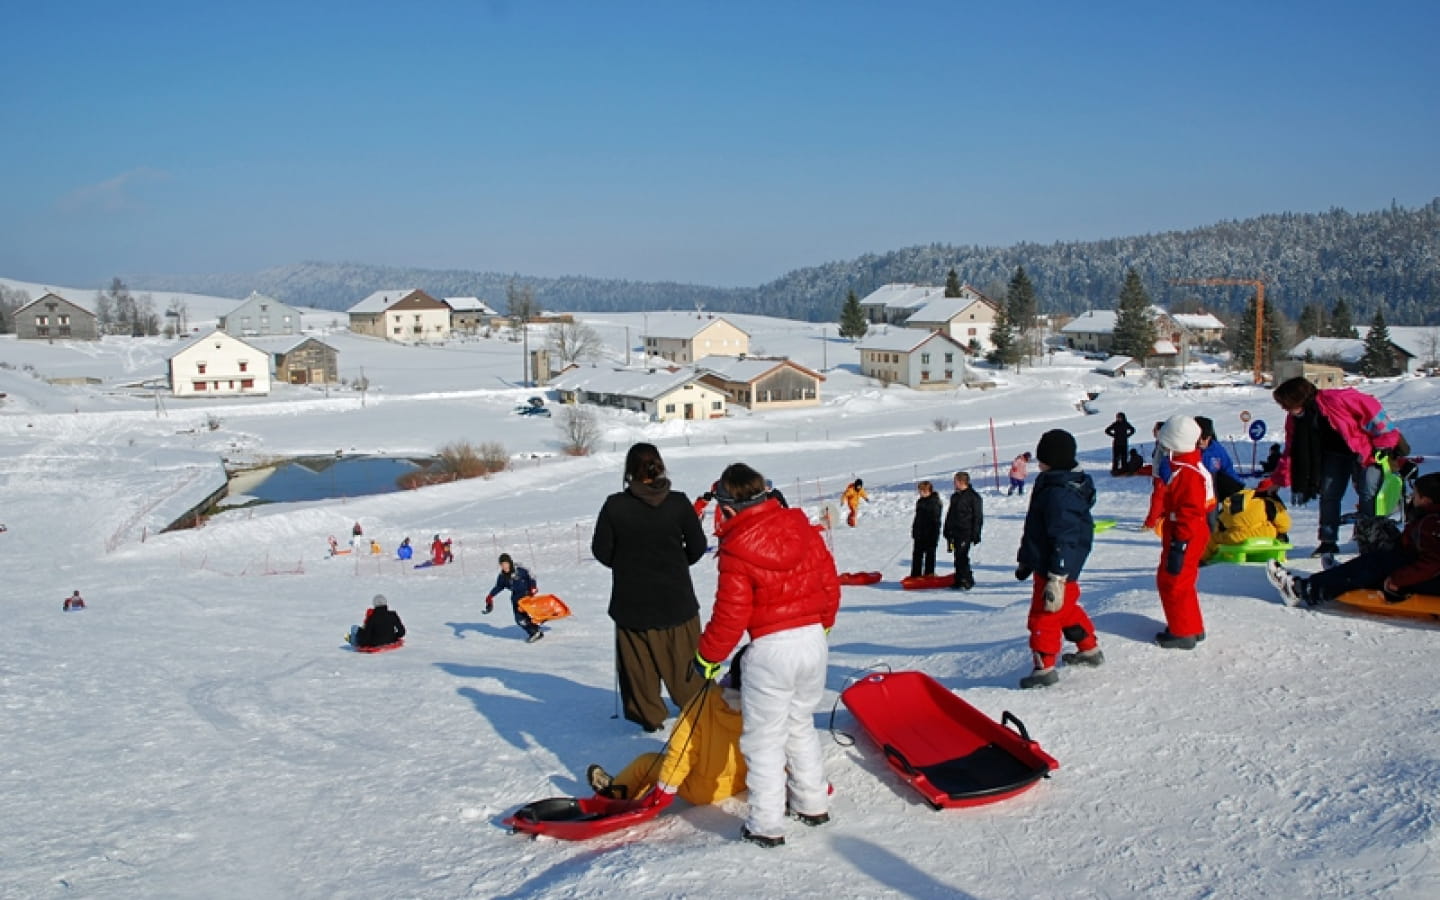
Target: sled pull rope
x,y
849,739
1008,718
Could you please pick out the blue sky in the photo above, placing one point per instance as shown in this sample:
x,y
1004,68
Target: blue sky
x,y
722,143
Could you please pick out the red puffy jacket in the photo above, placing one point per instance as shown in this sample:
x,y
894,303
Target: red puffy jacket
x,y
775,574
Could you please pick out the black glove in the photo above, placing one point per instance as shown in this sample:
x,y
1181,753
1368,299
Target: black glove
x,y
1022,572
1392,596
489,606
1175,557
975,540
707,496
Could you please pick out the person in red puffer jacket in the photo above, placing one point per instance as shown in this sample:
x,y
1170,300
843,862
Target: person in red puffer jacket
x,y
778,583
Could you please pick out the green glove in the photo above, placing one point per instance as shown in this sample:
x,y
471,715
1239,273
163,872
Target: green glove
x,y
705,667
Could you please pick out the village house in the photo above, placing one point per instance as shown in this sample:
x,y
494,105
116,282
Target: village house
x,y
660,394
260,315
893,304
1176,336
923,361
761,383
683,337
219,364
406,315
469,315
300,359
1348,354
967,319
53,317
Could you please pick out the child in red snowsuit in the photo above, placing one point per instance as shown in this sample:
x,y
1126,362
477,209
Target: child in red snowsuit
x,y
1184,534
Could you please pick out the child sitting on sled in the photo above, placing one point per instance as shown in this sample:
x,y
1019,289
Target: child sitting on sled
x,y
1247,514
702,761
1411,568
382,626
518,581
74,601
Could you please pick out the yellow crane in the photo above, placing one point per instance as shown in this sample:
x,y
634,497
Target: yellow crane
x,y
1259,286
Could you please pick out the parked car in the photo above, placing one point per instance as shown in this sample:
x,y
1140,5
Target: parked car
x,y
533,411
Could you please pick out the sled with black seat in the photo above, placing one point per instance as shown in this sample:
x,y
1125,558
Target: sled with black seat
x,y
579,818
949,751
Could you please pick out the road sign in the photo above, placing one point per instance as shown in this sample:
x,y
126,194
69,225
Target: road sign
x,y
1244,415
1257,430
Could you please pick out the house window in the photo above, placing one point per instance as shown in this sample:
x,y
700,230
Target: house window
x,y
200,368
64,330
42,320
716,405
41,330
244,365
924,374
232,384
971,332
924,359
669,407
246,383
199,386
949,374
63,320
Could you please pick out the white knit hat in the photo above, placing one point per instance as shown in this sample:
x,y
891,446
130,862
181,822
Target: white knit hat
x,y
1179,434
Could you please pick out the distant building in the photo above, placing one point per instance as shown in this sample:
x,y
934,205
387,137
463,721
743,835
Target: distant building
x,y
893,304
683,337
52,317
469,315
406,315
661,394
908,356
1322,376
964,318
758,383
1348,354
1175,335
219,365
260,315
300,359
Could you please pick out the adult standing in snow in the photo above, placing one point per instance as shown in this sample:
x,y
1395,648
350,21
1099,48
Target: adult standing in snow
x,y
1119,432
925,530
1056,540
1184,534
382,625
518,581
1018,467
963,522
1332,440
649,536
777,581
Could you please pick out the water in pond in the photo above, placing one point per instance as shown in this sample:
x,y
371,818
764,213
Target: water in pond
x,y
323,478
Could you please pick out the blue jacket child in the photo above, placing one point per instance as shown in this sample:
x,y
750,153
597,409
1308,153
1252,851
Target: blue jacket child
x,y
517,579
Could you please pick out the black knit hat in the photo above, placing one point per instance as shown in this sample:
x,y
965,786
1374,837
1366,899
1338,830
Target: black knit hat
x,y
1056,449
504,558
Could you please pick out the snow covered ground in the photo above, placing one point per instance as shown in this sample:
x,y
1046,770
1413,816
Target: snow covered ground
x,y
201,731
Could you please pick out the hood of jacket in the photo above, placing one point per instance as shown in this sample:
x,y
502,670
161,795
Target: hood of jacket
x,y
652,493
1071,480
764,536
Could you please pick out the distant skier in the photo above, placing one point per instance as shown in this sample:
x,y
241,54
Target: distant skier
x,y
382,626
74,601
518,581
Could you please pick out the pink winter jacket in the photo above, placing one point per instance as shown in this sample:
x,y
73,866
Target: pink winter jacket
x,y
1017,468
1358,417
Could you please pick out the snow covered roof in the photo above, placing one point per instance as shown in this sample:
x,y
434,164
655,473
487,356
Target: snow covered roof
x,y
902,296
1197,321
1095,321
1114,364
469,304
1164,347
1347,350
1420,341
380,301
943,309
747,368
683,326
903,340
281,343
646,384
216,335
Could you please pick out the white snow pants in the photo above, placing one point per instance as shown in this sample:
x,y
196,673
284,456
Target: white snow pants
x,y
783,683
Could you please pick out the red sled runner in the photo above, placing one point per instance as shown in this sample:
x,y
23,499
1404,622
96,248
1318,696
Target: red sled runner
x,y
927,582
949,751
579,818
859,577
381,648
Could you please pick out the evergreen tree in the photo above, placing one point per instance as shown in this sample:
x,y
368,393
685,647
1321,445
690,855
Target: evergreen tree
x,y
1134,327
1341,325
1379,360
952,283
1242,338
1021,307
852,318
1312,321
1002,336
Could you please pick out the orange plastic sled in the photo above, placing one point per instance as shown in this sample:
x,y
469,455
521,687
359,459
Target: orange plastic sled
x,y
544,607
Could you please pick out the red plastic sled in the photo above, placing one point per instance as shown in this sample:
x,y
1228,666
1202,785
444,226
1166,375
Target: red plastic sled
x,y
927,582
949,751
859,577
577,818
382,648
544,607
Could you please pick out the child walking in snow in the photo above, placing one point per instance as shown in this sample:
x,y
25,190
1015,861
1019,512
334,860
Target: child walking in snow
x,y
854,493
1184,534
1056,540
1017,473
517,580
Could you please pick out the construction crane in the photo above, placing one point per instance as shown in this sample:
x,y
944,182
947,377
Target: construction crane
x,y
1259,287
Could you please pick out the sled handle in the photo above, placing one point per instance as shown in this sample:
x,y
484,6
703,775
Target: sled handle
x,y
899,758
1008,718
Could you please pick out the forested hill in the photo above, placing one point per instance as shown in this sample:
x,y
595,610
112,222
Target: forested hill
x,y
1391,256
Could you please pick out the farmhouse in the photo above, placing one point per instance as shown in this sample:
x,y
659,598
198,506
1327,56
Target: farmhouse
x,y
51,317
760,383
406,315
661,394
968,320
684,338
260,315
300,359
219,365
893,304
907,356
469,315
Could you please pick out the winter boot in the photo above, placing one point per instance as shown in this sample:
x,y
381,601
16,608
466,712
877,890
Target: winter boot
x,y
489,608
598,779
1291,588
1040,678
535,635
1325,548
760,839
1090,658
807,819
1171,642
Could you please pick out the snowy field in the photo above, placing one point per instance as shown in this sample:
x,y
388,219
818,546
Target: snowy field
x,y
202,731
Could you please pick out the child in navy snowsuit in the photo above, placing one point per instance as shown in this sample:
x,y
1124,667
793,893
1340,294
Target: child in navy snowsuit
x,y
1054,546
518,581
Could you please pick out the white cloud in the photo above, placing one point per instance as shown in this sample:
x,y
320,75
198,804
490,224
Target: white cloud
x,y
112,194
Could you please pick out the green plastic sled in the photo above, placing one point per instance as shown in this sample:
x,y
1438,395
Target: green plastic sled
x,y
1256,549
1392,490
1104,525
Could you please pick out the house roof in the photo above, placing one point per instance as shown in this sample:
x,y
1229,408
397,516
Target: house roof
x,y
683,326
211,335
1352,350
85,307
903,340
469,304
380,301
645,384
282,343
902,296
1114,364
943,309
748,368
1095,321
1197,321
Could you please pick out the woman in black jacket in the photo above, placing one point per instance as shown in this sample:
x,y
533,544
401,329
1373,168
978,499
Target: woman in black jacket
x,y
1119,431
648,536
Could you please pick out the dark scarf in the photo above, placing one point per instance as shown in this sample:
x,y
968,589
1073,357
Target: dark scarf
x,y
653,493
1307,448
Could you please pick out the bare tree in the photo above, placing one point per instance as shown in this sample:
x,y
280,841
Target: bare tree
x,y
179,310
1430,341
11,299
580,429
575,342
